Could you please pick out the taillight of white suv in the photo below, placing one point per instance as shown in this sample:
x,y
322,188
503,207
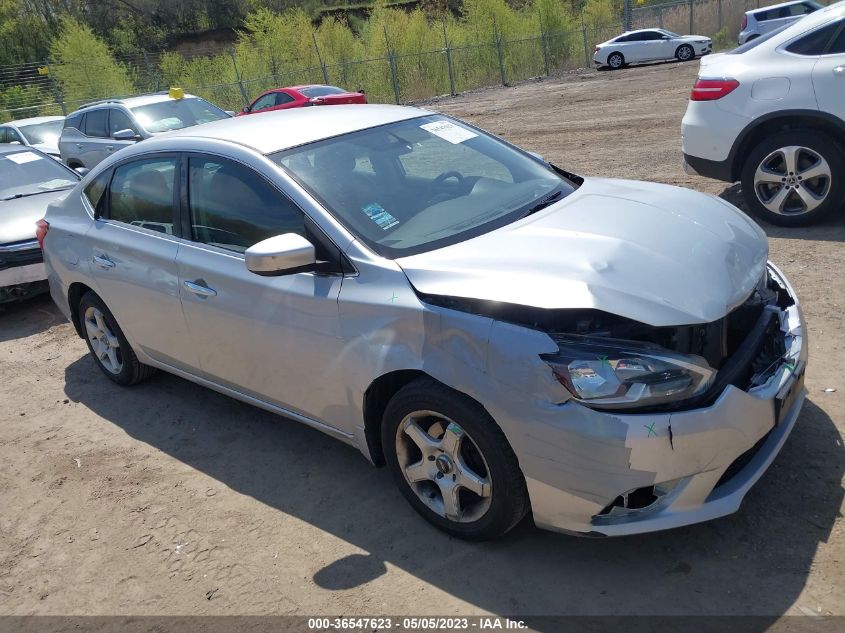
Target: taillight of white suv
x,y
712,89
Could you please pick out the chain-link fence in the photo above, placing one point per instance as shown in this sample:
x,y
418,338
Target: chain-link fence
x,y
231,81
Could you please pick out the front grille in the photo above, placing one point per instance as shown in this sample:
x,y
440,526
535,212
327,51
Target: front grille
x,y
12,259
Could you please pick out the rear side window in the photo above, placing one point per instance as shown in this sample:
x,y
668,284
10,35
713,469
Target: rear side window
x,y
232,207
95,123
75,120
817,42
283,98
95,189
4,135
837,46
141,194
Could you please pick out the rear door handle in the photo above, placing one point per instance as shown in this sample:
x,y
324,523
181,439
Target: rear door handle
x,y
839,71
79,146
200,290
103,262
110,148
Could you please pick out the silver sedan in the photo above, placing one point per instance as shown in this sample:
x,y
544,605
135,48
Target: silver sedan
x,y
505,336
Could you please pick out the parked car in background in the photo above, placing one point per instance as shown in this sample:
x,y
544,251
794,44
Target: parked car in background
x,y
650,45
771,114
614,356
99,129
758,22
40,132
301,96
29,181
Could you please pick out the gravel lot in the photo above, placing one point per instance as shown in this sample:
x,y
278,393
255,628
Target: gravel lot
x,y
168,498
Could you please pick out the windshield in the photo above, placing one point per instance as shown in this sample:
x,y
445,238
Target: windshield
x,y
175,114
27,173
47,133
416,185
321,91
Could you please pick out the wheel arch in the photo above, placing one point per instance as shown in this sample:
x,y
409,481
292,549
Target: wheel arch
x,y
781,121
75,293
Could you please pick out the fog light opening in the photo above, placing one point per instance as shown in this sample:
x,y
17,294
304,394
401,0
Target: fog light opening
x,y
638,499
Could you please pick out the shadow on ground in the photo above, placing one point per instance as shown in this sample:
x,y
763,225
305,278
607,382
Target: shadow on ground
x,y
832,229
754,562
28,317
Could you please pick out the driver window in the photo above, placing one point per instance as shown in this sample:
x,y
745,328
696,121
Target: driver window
x,y
119,121
263,102
233,207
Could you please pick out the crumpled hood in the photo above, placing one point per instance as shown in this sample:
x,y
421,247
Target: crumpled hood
x,y
654,253
18,216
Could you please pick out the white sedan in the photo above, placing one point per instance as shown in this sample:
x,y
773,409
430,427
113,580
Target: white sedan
x,y
650,45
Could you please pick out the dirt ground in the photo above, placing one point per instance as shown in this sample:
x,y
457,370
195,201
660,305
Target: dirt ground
x,y
168,498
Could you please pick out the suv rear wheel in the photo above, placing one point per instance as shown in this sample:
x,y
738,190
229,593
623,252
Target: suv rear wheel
x,y
794,178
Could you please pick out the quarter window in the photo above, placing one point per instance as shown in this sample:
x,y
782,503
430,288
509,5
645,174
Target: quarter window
x,y
95,189
283,98
95,123
233,207
141,194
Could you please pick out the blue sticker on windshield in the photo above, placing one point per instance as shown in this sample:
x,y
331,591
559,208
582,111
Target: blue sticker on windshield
x,y
378,215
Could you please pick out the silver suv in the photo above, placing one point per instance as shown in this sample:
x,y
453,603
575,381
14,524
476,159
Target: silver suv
x,y
760,21
97,130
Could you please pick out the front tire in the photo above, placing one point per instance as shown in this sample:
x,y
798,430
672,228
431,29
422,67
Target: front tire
x,y
108,345
685,53
452,462
794,178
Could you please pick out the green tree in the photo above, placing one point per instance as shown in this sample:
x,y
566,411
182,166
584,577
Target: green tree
x,y
84,66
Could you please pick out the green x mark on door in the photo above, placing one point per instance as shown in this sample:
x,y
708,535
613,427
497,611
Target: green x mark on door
x,y
650,428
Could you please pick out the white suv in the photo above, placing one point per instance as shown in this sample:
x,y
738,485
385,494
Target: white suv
x,y
761,21
771,114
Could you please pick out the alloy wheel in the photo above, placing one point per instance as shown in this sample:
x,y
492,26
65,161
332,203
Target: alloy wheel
x,y
684,53
443,466
104,343
792,180
615,60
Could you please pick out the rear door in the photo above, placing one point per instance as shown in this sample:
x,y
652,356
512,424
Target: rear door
x,y
829,73
274,338
134,266
92,146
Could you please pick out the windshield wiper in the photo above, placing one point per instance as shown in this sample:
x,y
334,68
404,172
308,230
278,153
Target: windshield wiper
x,y
33,193
545,202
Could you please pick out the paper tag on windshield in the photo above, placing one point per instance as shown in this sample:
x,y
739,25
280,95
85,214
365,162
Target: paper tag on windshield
x,y
448,131
23,157
378,215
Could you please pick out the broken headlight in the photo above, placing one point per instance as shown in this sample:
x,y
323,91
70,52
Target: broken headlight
x,y
613,373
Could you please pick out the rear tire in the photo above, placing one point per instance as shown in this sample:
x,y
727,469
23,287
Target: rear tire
x,y
615,61
441,445
108,345
685,53
794,178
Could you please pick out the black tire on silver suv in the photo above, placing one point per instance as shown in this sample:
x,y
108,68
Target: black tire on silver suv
x,y
452,462
107,343
794,178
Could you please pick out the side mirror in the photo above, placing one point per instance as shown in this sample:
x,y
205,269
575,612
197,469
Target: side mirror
x,y
539,157
247,109
281,255
125,135
82,171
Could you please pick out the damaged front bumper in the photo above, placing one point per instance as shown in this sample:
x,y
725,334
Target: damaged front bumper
x,y
686,466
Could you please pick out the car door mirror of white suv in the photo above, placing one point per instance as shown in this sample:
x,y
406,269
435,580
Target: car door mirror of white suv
x,y
126,135
281,255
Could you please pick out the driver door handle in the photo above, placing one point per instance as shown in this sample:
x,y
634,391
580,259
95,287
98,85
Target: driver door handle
x,y
199,290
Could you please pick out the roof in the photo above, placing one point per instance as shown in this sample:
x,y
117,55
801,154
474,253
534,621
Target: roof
x,y
34,120
273,131
775,6
134,102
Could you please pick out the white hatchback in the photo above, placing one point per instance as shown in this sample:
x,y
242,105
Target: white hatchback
x,y
650,45
771,114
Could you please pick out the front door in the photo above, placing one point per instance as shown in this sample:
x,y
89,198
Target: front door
x,y
274,338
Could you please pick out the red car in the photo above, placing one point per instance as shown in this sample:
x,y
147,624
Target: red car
x,y
300,96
